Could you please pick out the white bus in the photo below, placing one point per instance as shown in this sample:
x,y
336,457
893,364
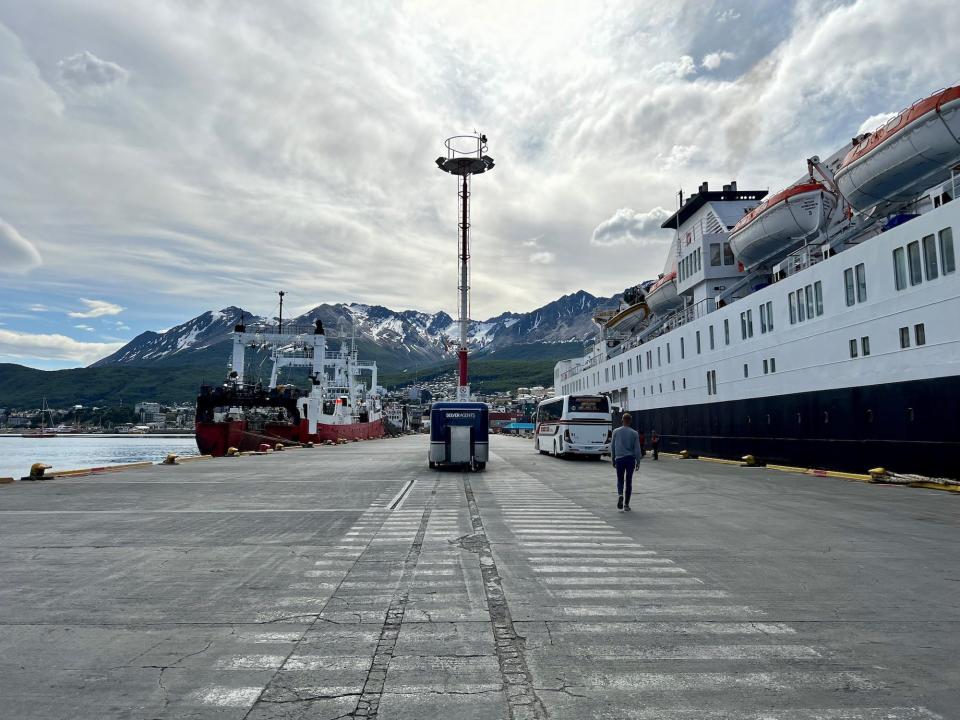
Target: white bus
x,y
573,425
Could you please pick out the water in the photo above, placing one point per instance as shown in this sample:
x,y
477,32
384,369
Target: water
x,y
66,452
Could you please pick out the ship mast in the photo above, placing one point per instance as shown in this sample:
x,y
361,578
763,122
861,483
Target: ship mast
x,y
466,156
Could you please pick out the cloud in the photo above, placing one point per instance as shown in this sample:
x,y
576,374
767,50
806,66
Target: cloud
x,y
96,308
18,254
675,69
23,345
875,121
713,60
84,327
678,156
629,226
38,308
542,257
86,72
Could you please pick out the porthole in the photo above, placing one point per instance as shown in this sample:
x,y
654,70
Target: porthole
x,y
826,417
768,418
799,418
910,414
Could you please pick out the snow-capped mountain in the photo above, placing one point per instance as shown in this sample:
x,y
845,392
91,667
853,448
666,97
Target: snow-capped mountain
x,y
396,339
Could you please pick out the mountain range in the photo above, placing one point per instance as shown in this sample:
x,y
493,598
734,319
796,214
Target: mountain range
x,y
510,349
397,340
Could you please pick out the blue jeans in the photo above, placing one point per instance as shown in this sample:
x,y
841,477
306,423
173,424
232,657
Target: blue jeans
x,y
625,466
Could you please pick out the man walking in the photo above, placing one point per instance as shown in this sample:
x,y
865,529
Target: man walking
x,y
625,451
655,439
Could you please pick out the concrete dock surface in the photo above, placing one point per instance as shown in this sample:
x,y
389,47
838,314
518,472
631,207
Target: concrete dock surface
x,y
351,581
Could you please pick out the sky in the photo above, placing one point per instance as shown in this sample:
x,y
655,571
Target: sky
x,y
162,157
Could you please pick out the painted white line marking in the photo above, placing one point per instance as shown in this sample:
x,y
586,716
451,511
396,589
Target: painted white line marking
x,y
630,593
657,610
228,697
672,628
619,581
251,662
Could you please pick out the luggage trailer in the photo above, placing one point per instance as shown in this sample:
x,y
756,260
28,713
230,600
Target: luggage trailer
x,y
459,434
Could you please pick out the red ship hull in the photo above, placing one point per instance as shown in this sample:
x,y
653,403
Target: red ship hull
x,y
217,437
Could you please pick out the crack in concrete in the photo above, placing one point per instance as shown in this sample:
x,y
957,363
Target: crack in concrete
x,y
368,704
515,674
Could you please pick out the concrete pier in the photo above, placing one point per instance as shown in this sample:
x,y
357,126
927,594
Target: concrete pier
x,y
352,581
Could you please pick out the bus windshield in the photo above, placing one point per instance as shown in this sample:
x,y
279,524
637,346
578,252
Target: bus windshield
x,y
588,405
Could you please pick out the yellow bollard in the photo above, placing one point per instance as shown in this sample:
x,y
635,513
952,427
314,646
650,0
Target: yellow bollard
x,y
232,452
749,461
37,469
170,459
876,474
684,454
278,447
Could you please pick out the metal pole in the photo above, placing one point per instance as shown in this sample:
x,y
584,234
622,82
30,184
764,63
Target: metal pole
x,y
280,316
464,278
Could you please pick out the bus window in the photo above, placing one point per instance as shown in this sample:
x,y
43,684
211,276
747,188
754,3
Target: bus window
x,y
588,405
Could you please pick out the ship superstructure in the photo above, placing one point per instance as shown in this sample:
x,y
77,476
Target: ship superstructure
x,y
816,326
342,401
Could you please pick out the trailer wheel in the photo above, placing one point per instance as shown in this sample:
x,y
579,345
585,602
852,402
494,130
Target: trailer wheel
x,y
432,465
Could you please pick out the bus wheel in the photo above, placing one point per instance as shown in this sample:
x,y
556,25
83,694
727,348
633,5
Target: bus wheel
x,y
432,465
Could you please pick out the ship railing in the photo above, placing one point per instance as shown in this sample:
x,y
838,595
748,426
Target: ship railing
x,y
800,259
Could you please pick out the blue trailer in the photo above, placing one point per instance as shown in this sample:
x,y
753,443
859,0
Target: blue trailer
x,y
459,434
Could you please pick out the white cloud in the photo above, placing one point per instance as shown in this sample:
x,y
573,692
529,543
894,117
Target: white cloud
x,y
38,308
96,308
678,156
18,254
630,226
713,60
23,345
86,72
542,257
875,121
84,327
675,69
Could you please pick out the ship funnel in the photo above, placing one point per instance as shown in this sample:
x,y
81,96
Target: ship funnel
x,y
703,187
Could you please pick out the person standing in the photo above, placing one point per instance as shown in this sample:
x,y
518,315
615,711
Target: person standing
x,y
625,451
643,444
655,444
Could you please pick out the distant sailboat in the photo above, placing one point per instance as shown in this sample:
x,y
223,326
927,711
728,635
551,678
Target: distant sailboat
x,y
43,431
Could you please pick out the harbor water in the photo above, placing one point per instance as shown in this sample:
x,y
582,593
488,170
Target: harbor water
x,y
72,452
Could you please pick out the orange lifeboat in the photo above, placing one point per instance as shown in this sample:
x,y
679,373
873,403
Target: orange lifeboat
x,y
912,152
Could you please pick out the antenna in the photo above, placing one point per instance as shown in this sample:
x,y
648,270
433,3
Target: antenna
x,y
281,293
466,156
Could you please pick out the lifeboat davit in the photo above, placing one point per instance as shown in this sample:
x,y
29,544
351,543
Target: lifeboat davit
x,y
663,296
911,153
777,225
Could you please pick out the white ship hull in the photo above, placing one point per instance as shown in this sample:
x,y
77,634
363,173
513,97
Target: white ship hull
x,y
794,393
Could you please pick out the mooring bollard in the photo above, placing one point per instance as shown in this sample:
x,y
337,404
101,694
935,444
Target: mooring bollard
x,y
36,471
278,447
232,452
171,459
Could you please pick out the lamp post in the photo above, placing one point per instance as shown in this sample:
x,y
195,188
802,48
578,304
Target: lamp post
x,y
466,156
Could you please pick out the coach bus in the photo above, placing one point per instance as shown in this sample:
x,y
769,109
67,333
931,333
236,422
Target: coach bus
x,y
573,425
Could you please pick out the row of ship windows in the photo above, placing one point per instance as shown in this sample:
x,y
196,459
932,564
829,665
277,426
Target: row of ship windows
x,y
919,259
861,348
720,254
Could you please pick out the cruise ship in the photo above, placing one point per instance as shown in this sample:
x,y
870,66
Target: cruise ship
x,y
818,326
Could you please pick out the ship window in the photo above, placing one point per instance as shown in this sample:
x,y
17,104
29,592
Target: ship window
x,y
743,326
865,346
773,365
606,374
904,337
808,292
930,257
763,319
727,254
683,351
629,366
900,268
750,323
673,384
766,366
746,370
684,383
913,263
853,348
621,369
658,358
770,315
861,272
714,254
698,342
699,259
726,332
948,262
800,315
920,334
644,389
793,309
848,286
668,352
711,337
709,386
661,386
817,298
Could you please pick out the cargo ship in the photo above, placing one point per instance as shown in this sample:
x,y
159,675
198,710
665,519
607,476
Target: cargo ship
x,y
342,401
814,327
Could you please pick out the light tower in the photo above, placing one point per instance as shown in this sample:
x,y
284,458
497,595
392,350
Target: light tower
x,y
466,156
